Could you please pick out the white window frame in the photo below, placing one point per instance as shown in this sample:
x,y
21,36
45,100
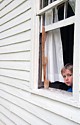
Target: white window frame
x,y
35,46
76,64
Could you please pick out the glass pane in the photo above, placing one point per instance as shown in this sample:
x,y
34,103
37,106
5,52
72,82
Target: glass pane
x,y
43,3
66,10
67,37
60,12
72,4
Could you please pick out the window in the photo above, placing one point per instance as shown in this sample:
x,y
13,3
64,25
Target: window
x,y
58,18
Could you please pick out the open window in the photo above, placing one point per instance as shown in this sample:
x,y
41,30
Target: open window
x,y
57,19
54,16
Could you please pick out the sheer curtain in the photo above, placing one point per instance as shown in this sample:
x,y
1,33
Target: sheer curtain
x,y
72,4
53,49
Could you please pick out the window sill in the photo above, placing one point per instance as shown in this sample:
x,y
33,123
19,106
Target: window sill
x,y
58,95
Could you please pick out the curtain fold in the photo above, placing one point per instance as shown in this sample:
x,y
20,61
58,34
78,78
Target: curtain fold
x,y
53,49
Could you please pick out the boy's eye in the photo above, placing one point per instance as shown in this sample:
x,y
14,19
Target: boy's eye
x,y
64,76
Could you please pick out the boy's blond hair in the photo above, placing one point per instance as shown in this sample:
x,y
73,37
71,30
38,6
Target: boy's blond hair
x,y
67,66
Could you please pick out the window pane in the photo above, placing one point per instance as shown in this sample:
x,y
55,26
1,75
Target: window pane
x,y
60,12
67,36
65,11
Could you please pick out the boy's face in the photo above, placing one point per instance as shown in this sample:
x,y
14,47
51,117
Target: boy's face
x,y
68,77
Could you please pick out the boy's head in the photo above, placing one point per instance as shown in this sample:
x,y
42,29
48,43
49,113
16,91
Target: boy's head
x,y
67,73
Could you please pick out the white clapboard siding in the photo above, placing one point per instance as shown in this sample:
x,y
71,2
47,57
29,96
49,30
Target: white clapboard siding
x,y
11,6
2,123
16,38
22,113
4,4
15,30
15,13
18,65
15,43
17,120
24,75
35,108
5,119
25,55
16,21
22,46
15,82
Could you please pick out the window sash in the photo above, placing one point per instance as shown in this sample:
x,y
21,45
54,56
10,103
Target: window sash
x,y
50,6
59,24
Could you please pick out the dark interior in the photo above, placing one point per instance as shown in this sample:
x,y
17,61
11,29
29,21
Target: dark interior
x,y
67,35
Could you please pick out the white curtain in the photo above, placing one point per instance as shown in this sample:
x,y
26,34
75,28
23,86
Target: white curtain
x,y
53,49
72,4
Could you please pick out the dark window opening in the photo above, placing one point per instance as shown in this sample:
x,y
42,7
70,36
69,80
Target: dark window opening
x,y
69,11
67,37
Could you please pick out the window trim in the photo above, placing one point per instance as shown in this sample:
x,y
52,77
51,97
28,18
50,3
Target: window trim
x,y
34,44
75,19
76,64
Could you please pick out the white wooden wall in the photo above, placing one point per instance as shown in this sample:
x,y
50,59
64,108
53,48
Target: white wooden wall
x,y
15,31
19,105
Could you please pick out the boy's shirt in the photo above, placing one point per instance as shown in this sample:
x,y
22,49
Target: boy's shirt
x,y
69,89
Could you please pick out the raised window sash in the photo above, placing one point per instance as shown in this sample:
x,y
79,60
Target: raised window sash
x,y
60,24
50,6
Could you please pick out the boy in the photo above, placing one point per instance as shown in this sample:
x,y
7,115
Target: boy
x,y
67,73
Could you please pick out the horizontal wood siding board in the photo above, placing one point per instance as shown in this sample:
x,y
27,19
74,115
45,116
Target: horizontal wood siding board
x,y
5,3
1,122
15,13
3,68
15,61
16,30
24,36
22,46
37,111
4,118
22,113
12,43
16,26
23,55
16,21
15,118
32,108
15,34
14,82
24,75
67,111
13,5
7,21
15,65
